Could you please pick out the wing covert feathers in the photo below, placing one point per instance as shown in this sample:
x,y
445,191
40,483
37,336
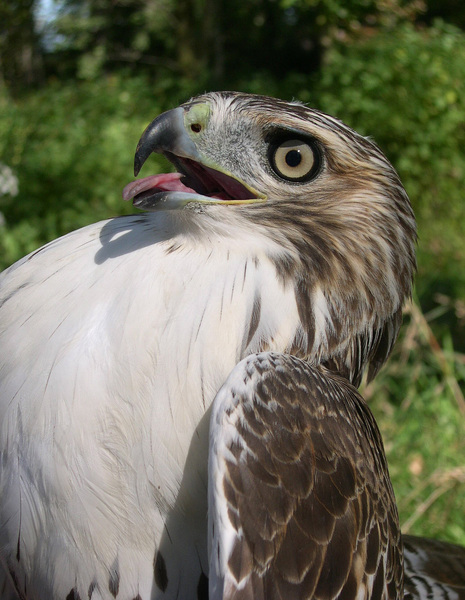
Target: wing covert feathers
x,y
433,569
301,505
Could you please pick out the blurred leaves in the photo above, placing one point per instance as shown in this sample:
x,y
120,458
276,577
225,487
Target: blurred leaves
x,y
418,402
20,58
71,149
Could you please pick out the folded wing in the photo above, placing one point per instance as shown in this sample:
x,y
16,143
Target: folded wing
x,y
300,502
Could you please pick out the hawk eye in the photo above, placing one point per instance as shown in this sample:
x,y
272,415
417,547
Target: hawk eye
x,y
294,160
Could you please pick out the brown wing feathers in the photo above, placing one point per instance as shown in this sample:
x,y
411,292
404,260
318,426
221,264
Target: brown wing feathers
x,y
306,486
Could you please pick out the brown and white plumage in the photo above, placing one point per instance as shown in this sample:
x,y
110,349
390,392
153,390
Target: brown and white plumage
x,y
290,236
433,569
300,501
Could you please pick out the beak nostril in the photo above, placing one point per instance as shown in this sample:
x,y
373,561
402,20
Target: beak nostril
x,y
196,127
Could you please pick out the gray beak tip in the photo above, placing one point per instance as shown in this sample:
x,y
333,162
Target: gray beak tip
x,y
166,133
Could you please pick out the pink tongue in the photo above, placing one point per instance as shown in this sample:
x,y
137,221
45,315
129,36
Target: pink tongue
x,y
164,182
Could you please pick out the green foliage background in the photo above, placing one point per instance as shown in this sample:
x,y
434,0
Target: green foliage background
x,y
69,127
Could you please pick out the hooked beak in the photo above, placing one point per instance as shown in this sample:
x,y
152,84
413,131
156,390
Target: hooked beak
x,y
196,181
166,133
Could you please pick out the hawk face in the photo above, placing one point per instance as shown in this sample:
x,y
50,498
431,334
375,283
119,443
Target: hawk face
x,y
327,196
266,152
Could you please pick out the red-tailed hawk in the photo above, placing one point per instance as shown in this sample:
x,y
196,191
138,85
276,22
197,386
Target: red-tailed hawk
x,y
177,400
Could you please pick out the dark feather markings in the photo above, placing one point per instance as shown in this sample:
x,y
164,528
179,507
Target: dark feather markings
x,y
159,571
433,569
202,587
113,581
308,489
254,319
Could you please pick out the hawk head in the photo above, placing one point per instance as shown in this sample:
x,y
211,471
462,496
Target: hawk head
x,y
327,196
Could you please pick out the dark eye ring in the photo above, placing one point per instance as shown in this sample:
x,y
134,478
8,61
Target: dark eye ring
x,y
294,159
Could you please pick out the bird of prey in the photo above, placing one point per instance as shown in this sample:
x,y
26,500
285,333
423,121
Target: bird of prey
x,y
179,414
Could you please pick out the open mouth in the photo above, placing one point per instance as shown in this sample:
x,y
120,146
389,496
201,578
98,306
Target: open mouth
x,y
194,182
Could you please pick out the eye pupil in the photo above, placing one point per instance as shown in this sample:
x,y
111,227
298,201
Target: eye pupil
x,y
196,127
293,158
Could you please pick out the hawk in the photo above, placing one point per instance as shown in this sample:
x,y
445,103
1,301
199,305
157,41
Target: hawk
x,y
179,414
